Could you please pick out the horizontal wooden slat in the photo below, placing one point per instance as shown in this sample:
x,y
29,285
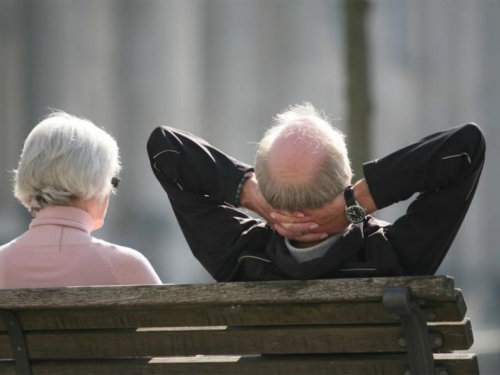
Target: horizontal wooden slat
x,y
455,364
229,315
279,292
454,333
102,344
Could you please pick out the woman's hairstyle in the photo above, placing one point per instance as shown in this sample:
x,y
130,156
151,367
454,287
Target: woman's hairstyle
x,y
65,158
333,175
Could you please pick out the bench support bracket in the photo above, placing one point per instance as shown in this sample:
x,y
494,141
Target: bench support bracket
x,y
396,301
19,348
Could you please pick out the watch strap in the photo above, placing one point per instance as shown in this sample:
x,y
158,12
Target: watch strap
x,y
349,198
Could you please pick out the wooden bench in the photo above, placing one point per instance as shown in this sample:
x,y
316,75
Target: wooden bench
x,y
344,326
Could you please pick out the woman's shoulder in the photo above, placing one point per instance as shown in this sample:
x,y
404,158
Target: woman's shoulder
x,y
128,263
11,246
112,250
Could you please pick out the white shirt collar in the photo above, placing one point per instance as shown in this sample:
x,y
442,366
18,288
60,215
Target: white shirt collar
x,y
316,251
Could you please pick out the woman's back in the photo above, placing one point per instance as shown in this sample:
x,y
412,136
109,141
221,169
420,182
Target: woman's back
x,y
58,250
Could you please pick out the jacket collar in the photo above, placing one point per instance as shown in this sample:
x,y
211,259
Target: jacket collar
x,y
345,248
64,216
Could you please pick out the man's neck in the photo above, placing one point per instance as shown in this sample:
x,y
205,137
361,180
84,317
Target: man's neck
x,y
305,245
313,250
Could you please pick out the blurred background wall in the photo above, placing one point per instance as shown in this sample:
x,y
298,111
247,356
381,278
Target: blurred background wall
x,y
223,69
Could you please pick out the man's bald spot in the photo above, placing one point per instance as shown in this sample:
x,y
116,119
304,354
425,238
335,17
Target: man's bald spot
x,y
296,154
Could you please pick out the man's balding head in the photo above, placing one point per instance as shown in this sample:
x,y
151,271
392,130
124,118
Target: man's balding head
x,y
301,162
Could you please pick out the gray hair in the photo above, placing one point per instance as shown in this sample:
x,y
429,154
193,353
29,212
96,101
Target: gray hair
x,y
65,158
333,175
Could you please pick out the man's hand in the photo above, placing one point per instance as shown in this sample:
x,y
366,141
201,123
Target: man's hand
x,y
252,199
330,218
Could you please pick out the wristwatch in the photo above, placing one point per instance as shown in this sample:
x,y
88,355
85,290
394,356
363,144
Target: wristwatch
x,y
353,211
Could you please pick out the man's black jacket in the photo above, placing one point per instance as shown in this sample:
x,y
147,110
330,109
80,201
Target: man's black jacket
x,y
201,183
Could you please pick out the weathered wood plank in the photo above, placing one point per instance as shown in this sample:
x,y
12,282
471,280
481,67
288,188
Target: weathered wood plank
x,y
227,315
279,292
454,333
458,364
455,364
101,344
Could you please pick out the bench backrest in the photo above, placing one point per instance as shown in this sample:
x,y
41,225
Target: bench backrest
x,y
319,326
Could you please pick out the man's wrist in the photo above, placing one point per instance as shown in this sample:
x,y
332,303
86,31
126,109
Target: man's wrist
x,y
354,212
245,195
363,196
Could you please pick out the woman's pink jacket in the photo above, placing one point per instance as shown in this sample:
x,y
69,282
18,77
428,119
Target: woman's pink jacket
x,y
58,250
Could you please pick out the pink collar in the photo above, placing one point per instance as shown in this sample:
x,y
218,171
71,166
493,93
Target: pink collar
x,y
64,216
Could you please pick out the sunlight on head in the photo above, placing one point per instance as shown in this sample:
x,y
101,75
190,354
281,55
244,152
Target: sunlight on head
x,y
302,162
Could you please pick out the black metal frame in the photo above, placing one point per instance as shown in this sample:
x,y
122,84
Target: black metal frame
x,y
17,341
417,339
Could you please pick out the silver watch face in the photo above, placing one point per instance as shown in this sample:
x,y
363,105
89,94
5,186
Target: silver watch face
x,y
355,214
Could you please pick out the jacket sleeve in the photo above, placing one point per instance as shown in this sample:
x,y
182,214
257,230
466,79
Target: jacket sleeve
x,y
201,184
444,170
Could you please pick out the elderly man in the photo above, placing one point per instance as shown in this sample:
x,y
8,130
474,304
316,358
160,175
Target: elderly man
x,y
317,225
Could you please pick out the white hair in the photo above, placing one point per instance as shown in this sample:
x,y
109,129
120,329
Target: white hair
x,y
65,158
335,172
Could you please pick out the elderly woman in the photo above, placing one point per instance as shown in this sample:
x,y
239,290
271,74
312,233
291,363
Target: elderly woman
x,y
67,171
